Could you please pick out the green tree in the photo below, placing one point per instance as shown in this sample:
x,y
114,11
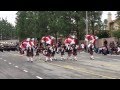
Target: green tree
x,y
118,18
94,18
116,34
103,34
118,15
20,24
7,30
40,23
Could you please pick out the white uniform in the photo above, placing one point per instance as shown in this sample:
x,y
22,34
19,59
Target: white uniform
x,y
118,49
82,46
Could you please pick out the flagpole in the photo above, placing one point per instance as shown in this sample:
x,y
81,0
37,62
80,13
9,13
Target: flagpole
x,y
87,29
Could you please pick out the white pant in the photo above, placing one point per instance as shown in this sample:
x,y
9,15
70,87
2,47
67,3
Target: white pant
x,y
30,59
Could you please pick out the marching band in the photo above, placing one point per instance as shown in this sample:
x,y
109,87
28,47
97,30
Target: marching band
x,y
68,49
48,48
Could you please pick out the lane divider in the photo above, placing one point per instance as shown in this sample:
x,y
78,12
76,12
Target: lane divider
x,y
83,70
25,70
22,70
39,77
10,63
16,66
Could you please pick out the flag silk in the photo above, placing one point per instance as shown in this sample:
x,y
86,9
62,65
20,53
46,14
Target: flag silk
x,y
27,43
91,38
70,40
47,39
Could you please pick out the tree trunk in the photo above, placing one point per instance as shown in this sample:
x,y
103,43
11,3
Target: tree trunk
x,y
93,30
78,34
56,36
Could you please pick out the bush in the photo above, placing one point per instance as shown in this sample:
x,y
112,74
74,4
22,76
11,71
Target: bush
x,y
116,33
103,34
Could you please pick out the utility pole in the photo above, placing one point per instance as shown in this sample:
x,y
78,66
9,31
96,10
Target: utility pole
x,y
86,22
1,34
87,29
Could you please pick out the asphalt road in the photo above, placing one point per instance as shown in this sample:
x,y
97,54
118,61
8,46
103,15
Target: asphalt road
x,y
15,66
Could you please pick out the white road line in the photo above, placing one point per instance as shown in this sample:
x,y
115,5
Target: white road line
x,y
39,77
5,60
16,66
25,70
115,59
97,57
10,63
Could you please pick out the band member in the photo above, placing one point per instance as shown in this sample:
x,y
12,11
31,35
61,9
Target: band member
x,y
78,48
62,52
21,51
37,50
90,49
41,48
82,46
58,47
69,50
47,53
30,54
75,52
53,49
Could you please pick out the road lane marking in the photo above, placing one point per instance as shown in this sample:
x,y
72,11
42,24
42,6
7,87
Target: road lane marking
x,y
16,54
16,66
39,77
10,63
109,64
5,60
115,59
82,70
25,70
86,71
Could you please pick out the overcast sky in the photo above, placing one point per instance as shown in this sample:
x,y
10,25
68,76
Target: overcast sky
x,y
11,15
105,14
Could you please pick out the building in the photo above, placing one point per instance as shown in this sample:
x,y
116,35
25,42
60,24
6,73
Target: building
x,y
112,25
109,20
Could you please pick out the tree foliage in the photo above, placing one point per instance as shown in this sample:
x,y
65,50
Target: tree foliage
x,y
103,34
94,18
116,33
40,23
7,30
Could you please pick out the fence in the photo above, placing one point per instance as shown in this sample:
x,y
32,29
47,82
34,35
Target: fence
x,y
100,42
